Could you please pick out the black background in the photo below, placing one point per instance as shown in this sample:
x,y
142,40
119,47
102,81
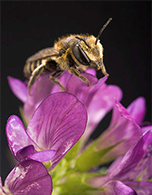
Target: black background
x,y
30,26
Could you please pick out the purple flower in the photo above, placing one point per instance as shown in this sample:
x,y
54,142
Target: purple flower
x,y
41,89
137,109
116,188
56,125
28,177
122,133
123,128
98,98
57,120
133,170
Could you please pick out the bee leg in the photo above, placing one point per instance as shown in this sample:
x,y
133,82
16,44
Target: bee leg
x,y
103,69
35,75
73,70
55,80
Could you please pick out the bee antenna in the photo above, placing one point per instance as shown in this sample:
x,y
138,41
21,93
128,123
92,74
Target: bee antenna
x,y
102,29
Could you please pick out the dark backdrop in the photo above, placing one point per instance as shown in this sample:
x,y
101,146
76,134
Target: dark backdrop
x,y
30,26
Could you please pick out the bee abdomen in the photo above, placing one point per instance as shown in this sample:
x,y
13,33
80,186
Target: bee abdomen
x,y
30,67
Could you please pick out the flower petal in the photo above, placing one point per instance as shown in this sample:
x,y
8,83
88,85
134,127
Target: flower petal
x,y
115,164
122,129
42,156
137,109
117,188
29,177
132,165
41,89
18,88
91,71
141,187
98,98
57,124
64,78
101,103
146,128
24,152
137,160
79,88
16,135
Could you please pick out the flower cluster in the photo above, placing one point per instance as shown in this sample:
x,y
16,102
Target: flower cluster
x,y
52,143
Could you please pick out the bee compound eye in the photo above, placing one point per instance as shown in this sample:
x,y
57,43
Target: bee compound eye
x,y
80,55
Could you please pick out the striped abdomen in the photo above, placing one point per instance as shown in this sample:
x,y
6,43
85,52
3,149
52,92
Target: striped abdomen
x,y
30,67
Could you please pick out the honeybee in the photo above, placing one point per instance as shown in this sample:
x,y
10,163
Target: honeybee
x,y
75,53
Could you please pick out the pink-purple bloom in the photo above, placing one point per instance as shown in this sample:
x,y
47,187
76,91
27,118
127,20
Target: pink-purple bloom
x,y
98,98
133,170
58,120
122,128
137,110
56,125
122,133
28,178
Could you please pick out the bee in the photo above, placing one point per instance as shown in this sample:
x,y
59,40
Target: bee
x,y
75,53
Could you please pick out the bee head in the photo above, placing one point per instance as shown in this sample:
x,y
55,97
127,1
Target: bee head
x,y
87,54
87,51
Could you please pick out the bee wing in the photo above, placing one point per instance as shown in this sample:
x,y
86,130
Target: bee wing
x,y
44,53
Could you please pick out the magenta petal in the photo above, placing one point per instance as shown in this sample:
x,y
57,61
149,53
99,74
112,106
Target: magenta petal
x,y
137,160
115,164
58,123
98,98
91,71
132,165
39,91
117,188
122,129
101,103
64,78
79,88
146,128
140,187
23,153
16,134
118,112
137,109
42,156
18,88
29,177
